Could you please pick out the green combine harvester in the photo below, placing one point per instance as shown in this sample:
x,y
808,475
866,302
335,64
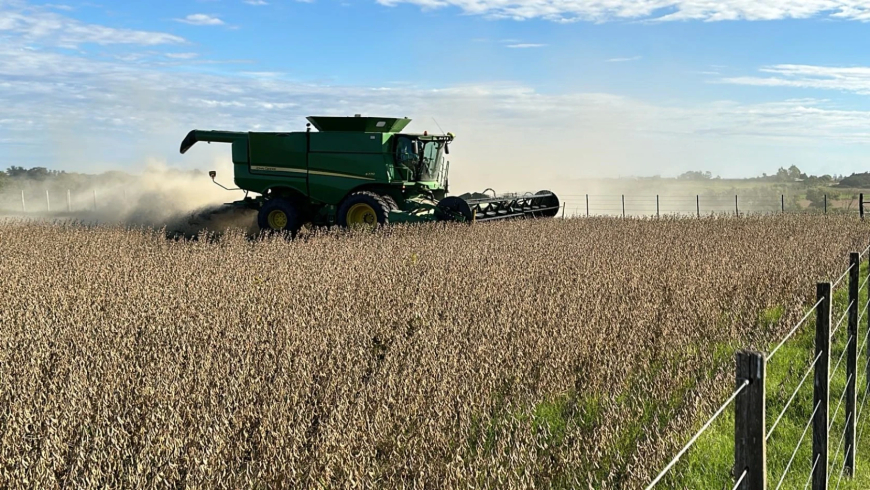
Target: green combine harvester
x,y
357,171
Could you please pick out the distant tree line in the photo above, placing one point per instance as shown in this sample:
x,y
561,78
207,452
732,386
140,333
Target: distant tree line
x,y
791,174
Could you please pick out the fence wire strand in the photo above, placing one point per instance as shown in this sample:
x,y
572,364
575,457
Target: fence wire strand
x,y
834,285
812,471
865,250
866,304
845,349
740,480
840,321
790,400
798,446
794,329
842,438
863,401
860,411
867,382
843,468
837,410
698,434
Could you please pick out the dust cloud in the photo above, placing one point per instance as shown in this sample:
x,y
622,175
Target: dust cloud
x,y
184,202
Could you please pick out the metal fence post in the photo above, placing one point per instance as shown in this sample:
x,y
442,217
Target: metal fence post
x,y
657,205
563,204
95,199
736,209
68,202
587,205
826,204
23,205
852,363
47,201
861,204
698,204
623,205
821,385
782,202
750,446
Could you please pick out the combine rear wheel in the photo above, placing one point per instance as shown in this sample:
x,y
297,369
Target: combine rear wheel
x,y
279,215
363,210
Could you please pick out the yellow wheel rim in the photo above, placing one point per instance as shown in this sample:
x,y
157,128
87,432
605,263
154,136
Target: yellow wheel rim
x,y
363,215
277,219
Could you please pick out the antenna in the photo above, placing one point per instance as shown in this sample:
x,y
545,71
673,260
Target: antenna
x,y
439,126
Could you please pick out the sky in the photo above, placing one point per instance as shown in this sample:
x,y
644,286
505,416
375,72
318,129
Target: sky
x,y
536,91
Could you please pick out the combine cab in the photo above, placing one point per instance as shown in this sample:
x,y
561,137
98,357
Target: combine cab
x,y
357,171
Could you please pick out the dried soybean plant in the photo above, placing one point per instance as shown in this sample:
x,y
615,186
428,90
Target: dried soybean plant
x,y
512,355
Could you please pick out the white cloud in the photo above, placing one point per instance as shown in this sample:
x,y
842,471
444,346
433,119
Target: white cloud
x,y
848,79
608,10
623,60
39,25
525,45
182,56
256,2
120,113
201,20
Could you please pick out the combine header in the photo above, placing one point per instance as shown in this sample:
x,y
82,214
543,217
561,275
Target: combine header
x,y
357,171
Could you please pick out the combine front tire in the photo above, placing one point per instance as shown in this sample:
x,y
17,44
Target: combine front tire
x,y
391,203
363,210
279,215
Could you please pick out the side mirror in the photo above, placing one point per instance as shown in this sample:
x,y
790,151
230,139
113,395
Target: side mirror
x,y
212,174
446,149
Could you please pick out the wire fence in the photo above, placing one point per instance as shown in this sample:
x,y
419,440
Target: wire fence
x,y
751,435
577,205
59,201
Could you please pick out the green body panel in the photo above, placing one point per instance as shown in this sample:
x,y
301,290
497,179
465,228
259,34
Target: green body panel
x,y
240,151
320,169
341,142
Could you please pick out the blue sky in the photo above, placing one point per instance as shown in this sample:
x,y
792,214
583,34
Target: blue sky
x,y
542,89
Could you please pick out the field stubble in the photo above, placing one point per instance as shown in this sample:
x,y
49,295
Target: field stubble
x,y
513,355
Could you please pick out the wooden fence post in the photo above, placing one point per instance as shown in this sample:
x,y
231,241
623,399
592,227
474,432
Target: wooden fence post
x,y
750,446
821,385
852,363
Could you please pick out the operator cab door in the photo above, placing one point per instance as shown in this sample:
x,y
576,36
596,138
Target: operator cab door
x,y
281,157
